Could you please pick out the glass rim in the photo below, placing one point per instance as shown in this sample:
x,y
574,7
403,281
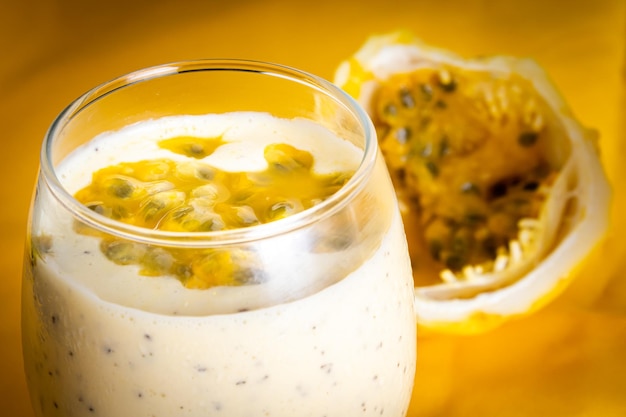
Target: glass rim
x,y
221,237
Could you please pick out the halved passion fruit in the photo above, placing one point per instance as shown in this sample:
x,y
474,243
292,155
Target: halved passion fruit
x,y
501,189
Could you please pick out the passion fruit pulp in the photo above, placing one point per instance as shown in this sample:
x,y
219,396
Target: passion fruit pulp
x,y
192,196
501,189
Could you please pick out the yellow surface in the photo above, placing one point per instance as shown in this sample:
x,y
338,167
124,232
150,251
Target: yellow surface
x,y
568,360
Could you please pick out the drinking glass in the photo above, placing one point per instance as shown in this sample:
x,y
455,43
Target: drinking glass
x,y
310,313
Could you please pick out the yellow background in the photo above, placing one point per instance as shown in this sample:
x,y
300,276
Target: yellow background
x,y
568,360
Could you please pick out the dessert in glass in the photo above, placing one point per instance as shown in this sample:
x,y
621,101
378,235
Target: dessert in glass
x,y
216,237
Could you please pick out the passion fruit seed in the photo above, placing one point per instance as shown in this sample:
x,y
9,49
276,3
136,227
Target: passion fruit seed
x,y
158,205
191,146
122,252
156,261
285,158
527,138
224,267
446,82
467,154
120,187
194,197
40,245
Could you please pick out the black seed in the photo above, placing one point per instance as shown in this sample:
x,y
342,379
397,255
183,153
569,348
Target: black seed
x,y
182,270
498,190
490,245
157,260
337,242
401,175
327,367
527,139
119,212
403,134
280,167
152,208
407,99
440,104
121,188
427,150
390,110
120,252
444,146
432,168
454,262
205,173
424,122
180,212
427,92
435,247
244,276
100,209
448,86
196,149
531,186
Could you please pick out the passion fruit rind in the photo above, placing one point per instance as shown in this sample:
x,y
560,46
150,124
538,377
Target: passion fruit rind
x,y
192,196
501,188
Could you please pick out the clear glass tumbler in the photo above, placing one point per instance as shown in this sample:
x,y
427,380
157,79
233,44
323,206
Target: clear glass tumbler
x,y
183,259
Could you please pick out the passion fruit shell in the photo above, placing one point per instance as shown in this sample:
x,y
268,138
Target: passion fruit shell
x,y
460,136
